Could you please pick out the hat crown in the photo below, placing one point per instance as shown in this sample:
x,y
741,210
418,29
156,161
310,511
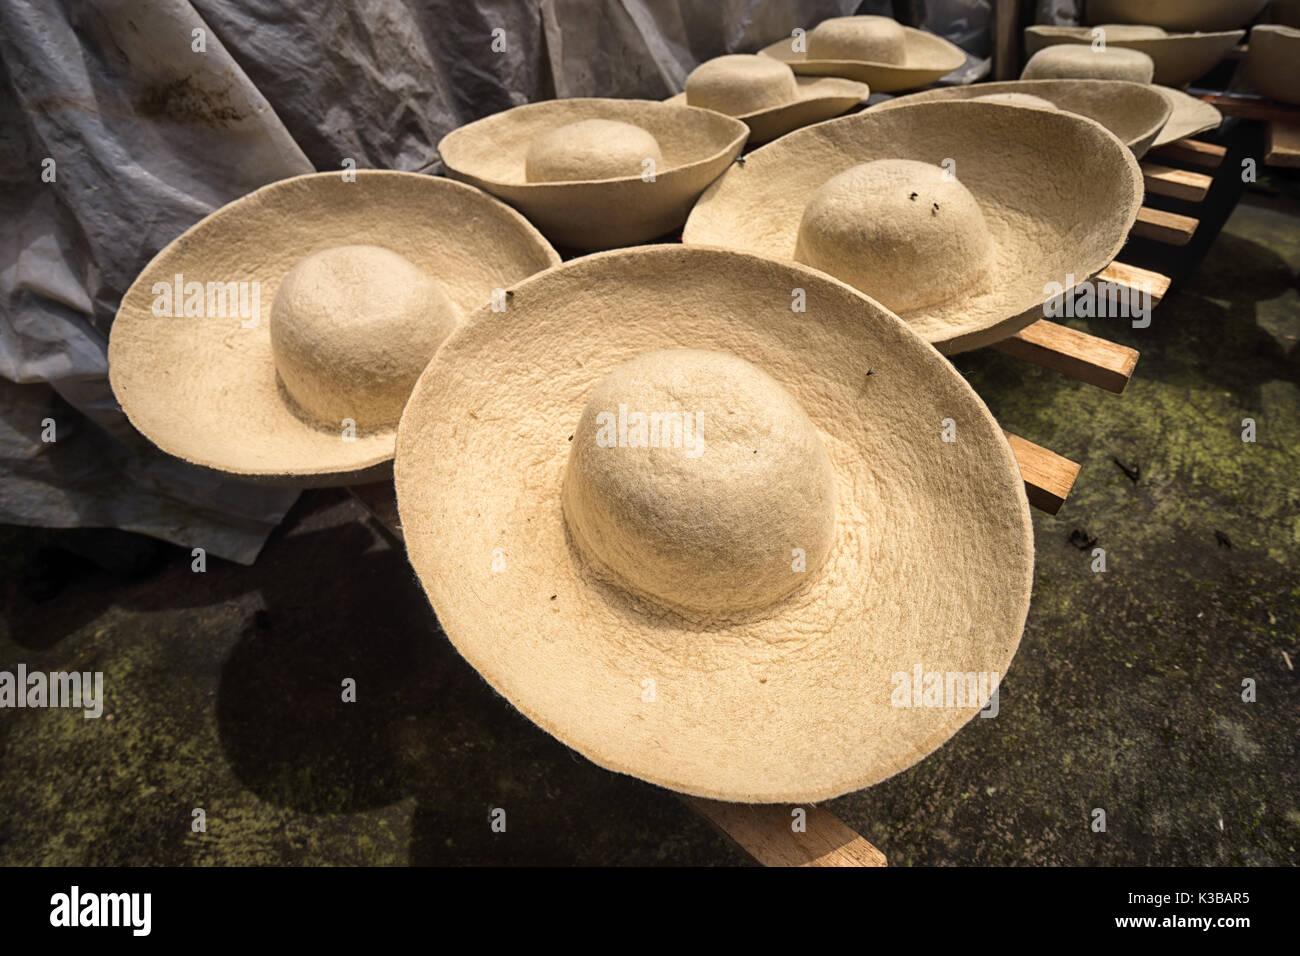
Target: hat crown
x,y
904,232
1121,32
741,83
352,328
1071,61
591,149
868,39
696,480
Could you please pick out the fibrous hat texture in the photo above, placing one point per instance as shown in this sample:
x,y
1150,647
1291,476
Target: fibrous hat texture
x,y
956,215
1134,112
698,534
876,50
1179,58
596,173
767,95
278,338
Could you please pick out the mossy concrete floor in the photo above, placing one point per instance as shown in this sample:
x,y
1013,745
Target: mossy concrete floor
x,y
224,688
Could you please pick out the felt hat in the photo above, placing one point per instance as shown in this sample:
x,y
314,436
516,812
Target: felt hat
x,y
279,337
1272,62
596,173
1186,15
878,51
767,95
954,215
1134,112
1179,58
1188,115
698,535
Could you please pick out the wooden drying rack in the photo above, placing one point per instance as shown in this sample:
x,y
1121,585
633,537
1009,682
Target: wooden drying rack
x,y
764,831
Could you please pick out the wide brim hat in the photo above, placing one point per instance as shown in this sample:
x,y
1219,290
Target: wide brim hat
x,y
1272,62
1057,192
819,98
796,699
1189,116
1134,112
926,58
1179,57
206,389
697,146
1183,15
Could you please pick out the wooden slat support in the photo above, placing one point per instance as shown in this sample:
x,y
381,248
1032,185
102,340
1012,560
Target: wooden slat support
x,y
1176,183
1192,152
1283,145
1074,354
761,830
765,831
1252,107
1167,227
1137,280
1048,477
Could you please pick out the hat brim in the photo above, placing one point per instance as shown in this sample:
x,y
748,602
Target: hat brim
x,y
1271,62
820,98
697,146
1181,15
1059,193
1134,112
1179,58
205,389
1189,117
926,58
790,703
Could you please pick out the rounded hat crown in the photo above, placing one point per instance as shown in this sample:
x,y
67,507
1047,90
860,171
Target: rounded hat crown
x,y
739,83
1078,62
699,482
591,149
352,328
904,231
867,39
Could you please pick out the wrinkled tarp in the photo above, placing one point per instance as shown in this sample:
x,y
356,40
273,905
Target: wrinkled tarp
x,y
126,121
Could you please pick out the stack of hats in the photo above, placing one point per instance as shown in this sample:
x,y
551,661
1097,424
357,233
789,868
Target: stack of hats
x,y
689,507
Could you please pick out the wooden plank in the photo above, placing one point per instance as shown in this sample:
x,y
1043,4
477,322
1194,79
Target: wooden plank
x,y
758,829
1137,280
1192,152
1006,49
1283,145
1176,183
1167,227
766,832
1252,107
1048,477
1074,354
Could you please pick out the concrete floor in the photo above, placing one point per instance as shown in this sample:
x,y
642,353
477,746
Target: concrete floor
x,y
223,688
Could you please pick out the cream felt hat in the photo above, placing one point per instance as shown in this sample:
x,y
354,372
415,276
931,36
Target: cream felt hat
x,y
252,340
1188,15
596,173
766,94
1188,116
1274,62
954,215
720,601
877,51
1179,58
1134,112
